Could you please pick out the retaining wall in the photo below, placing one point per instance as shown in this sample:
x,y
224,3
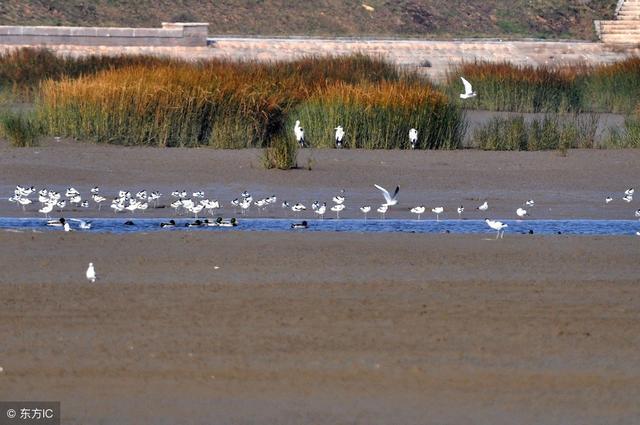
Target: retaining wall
x,y
171,34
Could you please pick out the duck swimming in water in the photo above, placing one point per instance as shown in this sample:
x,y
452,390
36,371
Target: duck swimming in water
x,y
302,225
197,223
231,222
170,223
57,223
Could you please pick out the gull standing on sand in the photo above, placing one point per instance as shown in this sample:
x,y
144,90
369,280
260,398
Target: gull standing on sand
x,y
637,214
339,136
484,206
365,210
529,203
627,198
468,90
413,138
498,226
629,191
521,212
418,210
460,211
299,132
390,200
608,199
91,273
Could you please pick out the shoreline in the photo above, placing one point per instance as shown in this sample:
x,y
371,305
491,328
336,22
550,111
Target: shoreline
x,y
563,187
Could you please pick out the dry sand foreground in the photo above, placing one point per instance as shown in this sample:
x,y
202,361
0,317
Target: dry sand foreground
x,y
563,187
323,328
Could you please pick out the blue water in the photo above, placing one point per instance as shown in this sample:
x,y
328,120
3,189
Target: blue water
x,y
545,227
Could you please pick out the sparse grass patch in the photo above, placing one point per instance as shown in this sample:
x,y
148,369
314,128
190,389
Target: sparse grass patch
x,y
21,130
282,154
559,132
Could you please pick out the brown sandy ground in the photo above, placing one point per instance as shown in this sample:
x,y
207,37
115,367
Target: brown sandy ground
x,y
563,187
323,328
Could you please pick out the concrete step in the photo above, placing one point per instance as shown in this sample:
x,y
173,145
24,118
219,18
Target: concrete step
x,y
620,39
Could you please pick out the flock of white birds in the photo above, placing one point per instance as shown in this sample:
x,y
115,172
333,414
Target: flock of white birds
x,y
195,204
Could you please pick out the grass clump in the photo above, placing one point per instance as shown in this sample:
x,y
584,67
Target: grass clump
x,y
281,154
627,138
546,133
21,130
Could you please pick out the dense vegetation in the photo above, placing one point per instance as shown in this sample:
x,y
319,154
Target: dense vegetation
x,y
141,100
507,87
238,105
434,18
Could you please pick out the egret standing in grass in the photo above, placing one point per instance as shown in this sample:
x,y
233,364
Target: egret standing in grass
x,y
413,138
339,136
299,133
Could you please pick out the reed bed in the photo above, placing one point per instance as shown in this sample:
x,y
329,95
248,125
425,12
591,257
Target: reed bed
x,y
246,104
550,132
23,68
380,115
520,88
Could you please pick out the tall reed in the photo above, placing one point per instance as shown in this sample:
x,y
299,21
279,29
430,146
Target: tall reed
x,y
380,115
522,88
21,69
247,104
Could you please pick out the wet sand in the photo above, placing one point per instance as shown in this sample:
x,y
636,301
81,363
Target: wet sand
x,y
326,328
572,186
322,328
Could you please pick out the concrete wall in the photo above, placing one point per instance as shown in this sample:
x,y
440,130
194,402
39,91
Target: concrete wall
x,y
413,54
171,34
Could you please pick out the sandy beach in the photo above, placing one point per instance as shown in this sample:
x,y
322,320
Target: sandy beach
x,y
564,187
322,328
326,328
